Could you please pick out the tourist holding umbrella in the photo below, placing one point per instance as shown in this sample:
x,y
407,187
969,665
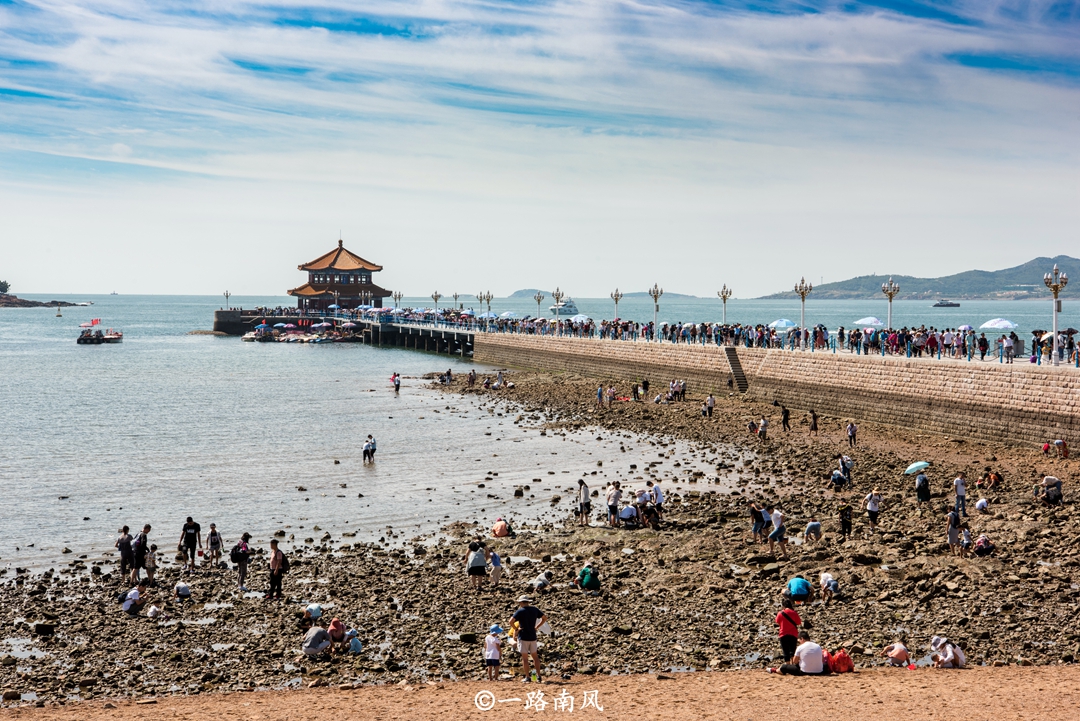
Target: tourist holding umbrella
x,y
922,483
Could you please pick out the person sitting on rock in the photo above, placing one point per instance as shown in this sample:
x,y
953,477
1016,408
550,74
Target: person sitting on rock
x,y
896,653
181,592
799,589
946,654
983,546
829,588
813,530
501,529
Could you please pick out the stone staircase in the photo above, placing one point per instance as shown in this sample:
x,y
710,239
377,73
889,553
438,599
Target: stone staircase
x,y
736,369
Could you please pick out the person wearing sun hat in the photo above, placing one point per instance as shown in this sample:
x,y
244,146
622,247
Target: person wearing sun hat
x,y
354,642
528,618
493,652
946,654
873,507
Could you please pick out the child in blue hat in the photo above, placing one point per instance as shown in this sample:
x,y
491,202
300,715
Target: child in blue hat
x,y
493,652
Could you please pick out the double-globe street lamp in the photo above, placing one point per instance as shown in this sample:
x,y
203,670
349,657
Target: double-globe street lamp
x,y
435,297
655,292
803,289
539,298
485,298
890,289
616,296
397,295
557,295
1056,282
724,293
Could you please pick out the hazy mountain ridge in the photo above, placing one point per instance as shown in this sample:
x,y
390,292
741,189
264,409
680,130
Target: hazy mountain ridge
x,y
1021,282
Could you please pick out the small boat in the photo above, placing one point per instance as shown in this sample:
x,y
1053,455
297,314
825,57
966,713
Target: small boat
x,y
945,304
114,293
566,307
248,337
113,336
90,337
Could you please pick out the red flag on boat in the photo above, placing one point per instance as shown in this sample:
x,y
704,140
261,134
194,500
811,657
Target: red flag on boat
x,y
95,321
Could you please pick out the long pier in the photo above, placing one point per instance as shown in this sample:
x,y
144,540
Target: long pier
x,y
417,336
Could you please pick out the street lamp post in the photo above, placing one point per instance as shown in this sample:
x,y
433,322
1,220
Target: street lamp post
x,y
803,289
616,296
655,292
539,298
1056,281
456,296
397,295
485,298
337,294
557,295
435,297
890,289
227,294
724,293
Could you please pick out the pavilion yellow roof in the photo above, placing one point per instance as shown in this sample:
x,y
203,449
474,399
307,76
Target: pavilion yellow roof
x,y
339,259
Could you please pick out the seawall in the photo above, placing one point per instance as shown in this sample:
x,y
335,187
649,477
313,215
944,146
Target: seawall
x,y
1018,403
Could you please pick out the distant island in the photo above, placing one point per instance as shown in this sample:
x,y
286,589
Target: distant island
x,y
1020,283
11,301
530,292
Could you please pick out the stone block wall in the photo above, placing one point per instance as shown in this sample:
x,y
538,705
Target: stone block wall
x,y
1017,403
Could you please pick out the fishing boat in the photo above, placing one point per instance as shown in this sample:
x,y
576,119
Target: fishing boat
x,y
113,336
565,307
945,304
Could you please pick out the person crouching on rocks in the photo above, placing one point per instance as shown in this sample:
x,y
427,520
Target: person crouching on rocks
x,y
946,653
829,588
135,600
336,632
896,653
316,641
799,590
542,583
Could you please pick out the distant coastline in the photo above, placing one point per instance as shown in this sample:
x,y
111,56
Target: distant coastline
x,y
12,301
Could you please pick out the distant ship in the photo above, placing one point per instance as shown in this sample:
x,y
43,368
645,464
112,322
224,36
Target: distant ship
x,y
114,293
566,307
945,304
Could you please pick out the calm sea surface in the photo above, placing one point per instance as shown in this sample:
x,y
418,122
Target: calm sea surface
x,y
167,425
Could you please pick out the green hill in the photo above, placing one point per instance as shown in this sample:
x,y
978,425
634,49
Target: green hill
x,y
1019,283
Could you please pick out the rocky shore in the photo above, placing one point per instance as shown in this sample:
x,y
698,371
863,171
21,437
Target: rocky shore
x,y
695,595
11,301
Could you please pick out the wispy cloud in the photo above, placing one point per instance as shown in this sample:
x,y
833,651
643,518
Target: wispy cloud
x,y
565,90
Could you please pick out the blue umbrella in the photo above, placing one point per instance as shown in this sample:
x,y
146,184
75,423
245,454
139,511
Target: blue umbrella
x,y
261,326
279,325
916,467
999,324
334,307
782,323
869,320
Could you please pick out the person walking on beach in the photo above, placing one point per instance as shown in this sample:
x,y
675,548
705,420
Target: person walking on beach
x,y
277,571
476,566
374,447
657,496
614,495
493,652
241,555
528,618
396,378
960,485
763,428
190,539
600,396
845,512
852,429
873,508
140,546
214,544
813,422
710,404
584,503
496,565
127,556
785,419
922,488
777,535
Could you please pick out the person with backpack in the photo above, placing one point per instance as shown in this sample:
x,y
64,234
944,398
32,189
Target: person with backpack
x,y
278,566
133,600
140,546
952,529
588,580
922,488
788,620
240,555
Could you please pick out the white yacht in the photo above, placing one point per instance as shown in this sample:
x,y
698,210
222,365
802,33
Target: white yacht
x,y
565,308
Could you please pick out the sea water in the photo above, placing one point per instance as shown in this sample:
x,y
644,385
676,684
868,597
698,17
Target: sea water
x,y
167,425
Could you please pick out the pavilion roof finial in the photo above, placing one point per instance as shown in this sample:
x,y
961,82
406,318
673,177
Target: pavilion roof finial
x,y
340,242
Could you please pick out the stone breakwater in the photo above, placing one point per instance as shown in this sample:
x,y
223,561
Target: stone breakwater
x,y
1018,403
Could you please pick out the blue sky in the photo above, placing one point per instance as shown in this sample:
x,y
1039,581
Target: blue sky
x,y
189,147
